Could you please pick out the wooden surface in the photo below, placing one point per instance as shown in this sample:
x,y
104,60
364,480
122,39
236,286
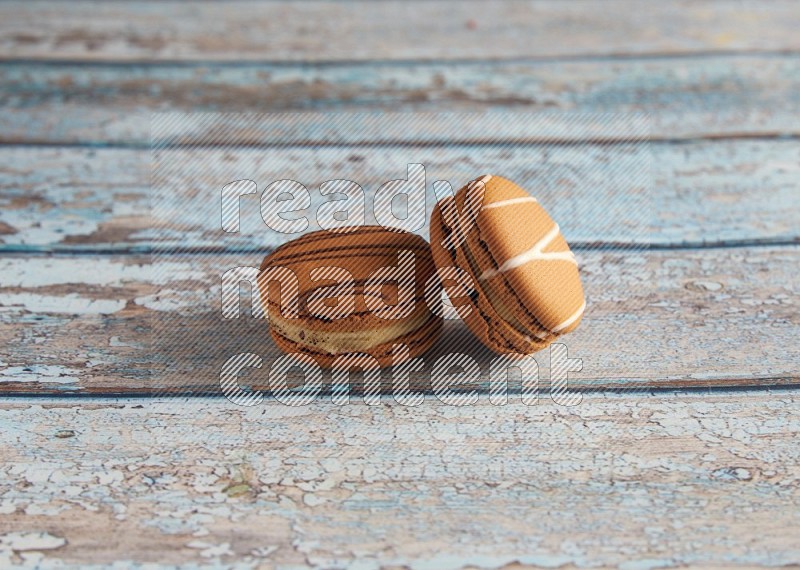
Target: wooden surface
x,y
702,298
418,30
709,317
104,103
634,481
78,199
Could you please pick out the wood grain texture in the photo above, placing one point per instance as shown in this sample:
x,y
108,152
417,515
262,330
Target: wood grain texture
x,y
619,481
705,96
333,31
676,318
74,199
697,479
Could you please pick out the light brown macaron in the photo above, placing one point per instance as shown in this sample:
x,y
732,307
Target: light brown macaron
x,y
527,288
360,290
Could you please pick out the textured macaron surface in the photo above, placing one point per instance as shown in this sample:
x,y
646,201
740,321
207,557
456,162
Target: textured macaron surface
x,y
530,252
353,294
520,262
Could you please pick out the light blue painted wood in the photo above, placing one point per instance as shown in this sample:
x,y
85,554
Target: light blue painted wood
x,y
323,31
694,194
664,319
684,97
636,482
705,479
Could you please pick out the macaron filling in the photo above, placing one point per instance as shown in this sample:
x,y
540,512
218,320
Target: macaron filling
x,y
340,342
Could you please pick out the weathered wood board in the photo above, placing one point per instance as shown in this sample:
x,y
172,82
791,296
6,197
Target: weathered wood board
x,y
668,318
706,192
100,104
702,480
640,475
333,31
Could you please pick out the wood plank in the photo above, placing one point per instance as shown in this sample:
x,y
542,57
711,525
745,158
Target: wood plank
x,y
683,480
334,31
79,199
684,97
676,318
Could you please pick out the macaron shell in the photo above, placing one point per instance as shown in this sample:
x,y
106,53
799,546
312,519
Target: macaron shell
x,y
483,320
548,286
361,252
519,314
504,299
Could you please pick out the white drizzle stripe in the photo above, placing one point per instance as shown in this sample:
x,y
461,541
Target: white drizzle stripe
x,y
575,316
509,202
533,253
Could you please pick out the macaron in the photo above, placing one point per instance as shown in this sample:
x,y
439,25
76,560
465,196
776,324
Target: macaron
x,y
358,291
527,288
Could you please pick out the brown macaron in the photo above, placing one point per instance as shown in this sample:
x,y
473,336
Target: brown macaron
x,y
527,287
357,291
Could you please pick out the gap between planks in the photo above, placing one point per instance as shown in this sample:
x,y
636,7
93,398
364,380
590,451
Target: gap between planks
x,y
25,251
321,64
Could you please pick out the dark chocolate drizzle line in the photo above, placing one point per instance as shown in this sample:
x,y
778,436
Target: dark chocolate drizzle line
x,y
342,251
510,290
325,234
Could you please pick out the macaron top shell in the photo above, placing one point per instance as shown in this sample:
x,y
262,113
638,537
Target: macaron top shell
x,y
360,252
